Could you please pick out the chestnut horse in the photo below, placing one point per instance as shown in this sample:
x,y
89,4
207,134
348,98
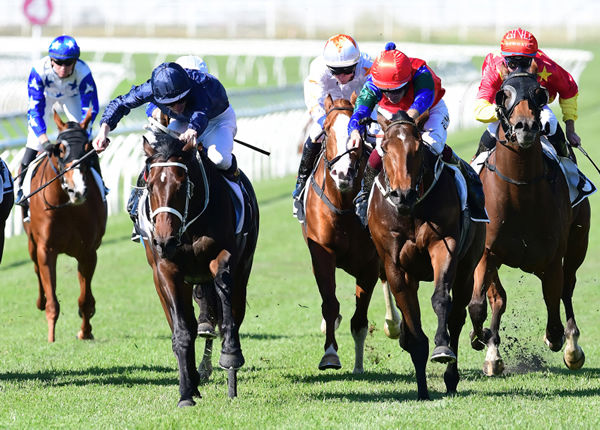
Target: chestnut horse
x,y
421,235
533,226
193,241
334,235
67,216
7,199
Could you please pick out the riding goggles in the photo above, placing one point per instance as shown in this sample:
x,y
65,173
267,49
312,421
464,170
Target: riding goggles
x,y
393,91
348,70
516,62
67,63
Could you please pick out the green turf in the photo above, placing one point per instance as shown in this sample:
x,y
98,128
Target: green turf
x,y
127,376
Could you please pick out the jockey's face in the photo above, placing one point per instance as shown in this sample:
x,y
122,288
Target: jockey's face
x,y
178,107
515,62
63,68
394,96
343,74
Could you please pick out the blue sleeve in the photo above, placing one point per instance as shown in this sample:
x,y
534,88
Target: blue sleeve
x,y
424,90
122,105
150,108
37,103
365,103
89,96
199,121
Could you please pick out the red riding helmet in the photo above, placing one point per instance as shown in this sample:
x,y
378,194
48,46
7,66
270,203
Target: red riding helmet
x,y
518,42
391,69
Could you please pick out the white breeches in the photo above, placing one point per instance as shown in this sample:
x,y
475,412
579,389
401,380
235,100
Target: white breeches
x,y
435,130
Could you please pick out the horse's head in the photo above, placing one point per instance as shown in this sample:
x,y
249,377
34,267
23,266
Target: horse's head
x,y
342,160
169,190
402,159
72,144
520,101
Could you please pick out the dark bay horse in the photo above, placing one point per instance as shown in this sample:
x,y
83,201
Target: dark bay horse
x,y
7,199
334,235
416,223
533,226
193,241
68,216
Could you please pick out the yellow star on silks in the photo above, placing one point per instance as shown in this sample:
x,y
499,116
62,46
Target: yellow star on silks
x,y
544,74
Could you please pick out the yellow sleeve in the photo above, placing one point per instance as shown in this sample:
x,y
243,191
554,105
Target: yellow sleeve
x,y
485,111
569,107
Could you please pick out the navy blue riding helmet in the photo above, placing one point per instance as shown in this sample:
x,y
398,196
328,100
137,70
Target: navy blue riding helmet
x,y
170,83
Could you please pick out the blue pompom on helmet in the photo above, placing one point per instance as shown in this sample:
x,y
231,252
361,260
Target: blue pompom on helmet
x,y
170,83
64,48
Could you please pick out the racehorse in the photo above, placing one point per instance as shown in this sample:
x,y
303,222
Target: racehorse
x,y
420,234
68,216
334,235
193,241
532,224
7,199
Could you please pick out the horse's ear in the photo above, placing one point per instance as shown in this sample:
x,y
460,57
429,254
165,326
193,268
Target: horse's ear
x,y
353,98
86,121
533,69
148,149
59,122
328,103
502,70
422,119
383,121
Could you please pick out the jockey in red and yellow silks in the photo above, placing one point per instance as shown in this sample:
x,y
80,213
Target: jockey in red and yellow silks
x,y
519,48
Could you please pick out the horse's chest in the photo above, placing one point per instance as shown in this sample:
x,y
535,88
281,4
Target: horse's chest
x,y
413,261
526,249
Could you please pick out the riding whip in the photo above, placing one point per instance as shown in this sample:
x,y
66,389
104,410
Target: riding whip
x,y
262,151
588,157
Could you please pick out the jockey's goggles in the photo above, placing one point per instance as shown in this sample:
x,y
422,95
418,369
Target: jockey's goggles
x,y
515,62
348,70
69,62
393,91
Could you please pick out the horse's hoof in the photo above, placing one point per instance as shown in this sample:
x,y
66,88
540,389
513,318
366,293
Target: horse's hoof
x,y
476,342
330,361
443,354
231,361
554,346
574,360
493,368
185,403
81,336
206,330
358,370
391,329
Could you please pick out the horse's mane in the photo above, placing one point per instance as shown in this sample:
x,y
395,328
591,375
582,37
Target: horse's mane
x,y
166,147
402,116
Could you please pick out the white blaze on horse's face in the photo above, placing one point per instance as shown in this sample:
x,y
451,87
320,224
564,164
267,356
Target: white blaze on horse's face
x,y
75,186
341,171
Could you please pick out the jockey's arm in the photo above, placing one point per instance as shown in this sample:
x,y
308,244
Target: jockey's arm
x,y
314,96
485,111
569,110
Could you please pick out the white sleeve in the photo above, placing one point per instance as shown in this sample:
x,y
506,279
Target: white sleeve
x,y
314,89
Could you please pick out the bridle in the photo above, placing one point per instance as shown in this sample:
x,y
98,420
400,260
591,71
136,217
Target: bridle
x,y
189,192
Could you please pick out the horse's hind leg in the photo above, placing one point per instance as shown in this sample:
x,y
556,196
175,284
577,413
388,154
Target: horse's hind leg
x,y
493,364
86,301
359,324
205,367
552,286
206,298
46,265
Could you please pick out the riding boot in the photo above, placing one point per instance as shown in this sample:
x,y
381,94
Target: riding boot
x,y
475,196
232,173
310,150
134,200
559,142
362,198
206,298
486,143
28,157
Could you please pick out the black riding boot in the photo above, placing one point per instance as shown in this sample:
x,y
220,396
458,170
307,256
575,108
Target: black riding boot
x,y
362,198
134,197
486,143
206,298
28,157
232,173
310,150
559,141
475,196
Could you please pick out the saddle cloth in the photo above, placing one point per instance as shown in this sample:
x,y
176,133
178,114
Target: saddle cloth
x,y
580,186
6,181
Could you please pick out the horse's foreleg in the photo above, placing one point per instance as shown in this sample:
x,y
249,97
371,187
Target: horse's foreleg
x,y
493,364
391,326
46,264
205,368
552,286
444,269
478,304
323,262
231,349
359,324
87,304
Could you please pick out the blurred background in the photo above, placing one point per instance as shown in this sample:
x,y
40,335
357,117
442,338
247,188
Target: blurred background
x,y
261,51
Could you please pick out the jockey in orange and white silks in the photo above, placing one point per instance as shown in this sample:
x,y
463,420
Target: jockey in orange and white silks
x,y
340,71
517,50
398,82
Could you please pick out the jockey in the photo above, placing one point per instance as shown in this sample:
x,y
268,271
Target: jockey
x,y
398,82
340,71
196,102
518,49
59,81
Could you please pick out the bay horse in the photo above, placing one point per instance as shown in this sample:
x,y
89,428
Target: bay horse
x,y
532,225
7,199
193,242
67,216
334,235
416,223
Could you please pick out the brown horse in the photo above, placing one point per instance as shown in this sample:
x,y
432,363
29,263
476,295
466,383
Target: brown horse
x,y
193,241
7,199
533,226
421,235
334,235
68,216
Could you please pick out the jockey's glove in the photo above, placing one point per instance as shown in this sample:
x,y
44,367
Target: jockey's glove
x,y
448,155
49,147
